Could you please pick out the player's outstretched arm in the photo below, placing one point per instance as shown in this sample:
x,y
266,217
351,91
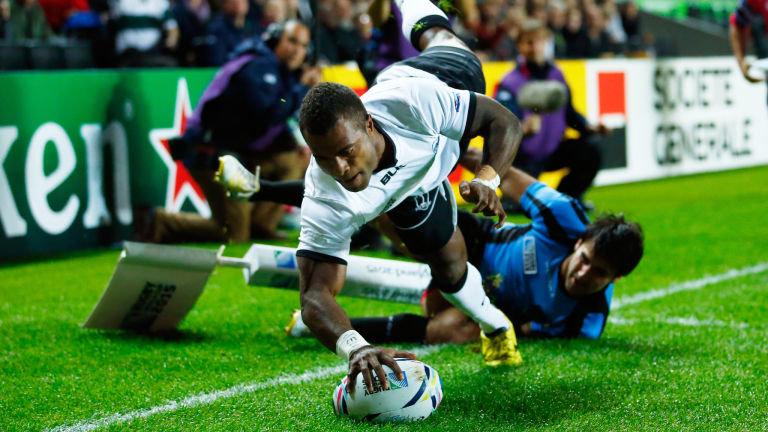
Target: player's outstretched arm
x,y
515,183
319,283
738,37
502,132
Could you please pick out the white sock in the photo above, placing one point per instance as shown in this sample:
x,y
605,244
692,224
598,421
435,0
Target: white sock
x,y
415,10
471,300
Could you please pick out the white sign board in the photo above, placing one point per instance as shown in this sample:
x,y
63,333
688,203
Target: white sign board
x,y
374,278
152,288
681,116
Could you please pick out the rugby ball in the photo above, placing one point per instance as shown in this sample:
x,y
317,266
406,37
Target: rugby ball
x,y
414,398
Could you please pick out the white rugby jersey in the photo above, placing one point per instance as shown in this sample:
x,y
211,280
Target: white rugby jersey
x,y
425,119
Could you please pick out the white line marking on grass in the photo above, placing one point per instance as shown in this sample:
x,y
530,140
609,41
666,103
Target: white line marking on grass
x,y
690,285
691,322
209,398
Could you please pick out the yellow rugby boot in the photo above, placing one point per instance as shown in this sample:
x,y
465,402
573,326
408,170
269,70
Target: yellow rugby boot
x,y
501,349
236,179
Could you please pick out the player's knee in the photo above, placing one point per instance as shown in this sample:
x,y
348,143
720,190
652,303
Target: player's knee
x,y
449,277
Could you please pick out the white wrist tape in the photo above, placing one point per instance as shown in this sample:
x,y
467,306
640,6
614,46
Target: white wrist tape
x,y
349,342
492,184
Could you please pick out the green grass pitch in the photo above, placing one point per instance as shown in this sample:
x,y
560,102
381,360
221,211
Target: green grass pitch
x,y
693,357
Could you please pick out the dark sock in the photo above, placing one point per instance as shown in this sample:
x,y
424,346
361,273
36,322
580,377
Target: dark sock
x,y
289,192
427,23
393,328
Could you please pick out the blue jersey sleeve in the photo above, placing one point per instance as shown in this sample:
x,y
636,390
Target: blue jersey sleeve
x,y
592,327
559,215
586,321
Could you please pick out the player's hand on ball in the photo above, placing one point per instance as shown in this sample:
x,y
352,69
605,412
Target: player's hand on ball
x,y
485,199
368,360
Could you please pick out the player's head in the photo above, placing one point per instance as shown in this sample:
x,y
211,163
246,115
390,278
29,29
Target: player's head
x,y
532,41
291,43
609,249
340,134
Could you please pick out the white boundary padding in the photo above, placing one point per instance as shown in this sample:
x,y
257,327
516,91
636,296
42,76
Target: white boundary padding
x,y
373,278
153,287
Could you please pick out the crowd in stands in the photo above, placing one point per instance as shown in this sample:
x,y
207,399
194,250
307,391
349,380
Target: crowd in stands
x,y
169,33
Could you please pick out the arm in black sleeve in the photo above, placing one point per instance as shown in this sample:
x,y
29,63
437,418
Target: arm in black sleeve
x,y
573,118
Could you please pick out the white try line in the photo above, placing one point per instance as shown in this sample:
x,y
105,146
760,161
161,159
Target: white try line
x,y
689,322
209,398
690,285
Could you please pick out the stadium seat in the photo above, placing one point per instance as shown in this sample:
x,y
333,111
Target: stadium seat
x,y
78,55
45,56
13,57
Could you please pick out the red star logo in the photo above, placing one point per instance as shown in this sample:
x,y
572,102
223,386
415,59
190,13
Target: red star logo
x,y
181,186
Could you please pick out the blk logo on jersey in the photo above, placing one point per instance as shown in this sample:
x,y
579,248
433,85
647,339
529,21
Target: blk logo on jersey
x,y
390,173
457,102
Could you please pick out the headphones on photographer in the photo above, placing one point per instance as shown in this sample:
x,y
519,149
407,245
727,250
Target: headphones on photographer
x,y
272,34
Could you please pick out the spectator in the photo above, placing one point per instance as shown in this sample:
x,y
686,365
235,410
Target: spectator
x,y
630,20
614,26
243,112
146,33
192,17
600,43
577,44
543,147
275,11
334,35
27,21
490,32
227,29
5,14
556,21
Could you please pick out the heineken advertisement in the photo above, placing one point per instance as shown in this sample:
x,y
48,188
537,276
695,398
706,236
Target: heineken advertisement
x,y
79,150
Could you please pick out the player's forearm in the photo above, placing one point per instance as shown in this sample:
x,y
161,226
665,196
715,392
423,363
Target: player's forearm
x,y
319,282
501,143
515,183
501,131
738,37
325,317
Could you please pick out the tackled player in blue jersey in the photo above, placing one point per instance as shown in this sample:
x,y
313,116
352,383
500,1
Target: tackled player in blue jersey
x,y
553,277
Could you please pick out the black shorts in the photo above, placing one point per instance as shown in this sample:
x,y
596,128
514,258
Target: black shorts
x,y
475,231
456,67
478,233
426,222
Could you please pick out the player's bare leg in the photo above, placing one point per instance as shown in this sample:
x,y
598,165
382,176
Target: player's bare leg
x,y
461,284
